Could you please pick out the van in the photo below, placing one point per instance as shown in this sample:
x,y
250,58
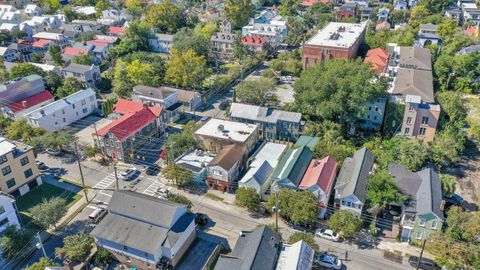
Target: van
x,y
97,215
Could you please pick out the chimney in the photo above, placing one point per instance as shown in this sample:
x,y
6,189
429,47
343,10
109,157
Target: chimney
x,y
68,265
221,128
315,163
24,104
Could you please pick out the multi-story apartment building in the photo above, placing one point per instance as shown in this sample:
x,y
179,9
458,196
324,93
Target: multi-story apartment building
x,y
221,43
136,125
274,30
19,173
8,212
336,40
58,114
272,124
420,119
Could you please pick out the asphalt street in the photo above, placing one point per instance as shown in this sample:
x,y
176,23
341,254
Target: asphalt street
x,y
227,221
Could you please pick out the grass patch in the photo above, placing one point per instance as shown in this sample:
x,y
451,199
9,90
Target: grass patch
x,y
70,182
36,196
213,197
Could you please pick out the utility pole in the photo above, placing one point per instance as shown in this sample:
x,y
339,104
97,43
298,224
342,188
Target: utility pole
x,y
116,176
81,172
421,252
40,245
276,210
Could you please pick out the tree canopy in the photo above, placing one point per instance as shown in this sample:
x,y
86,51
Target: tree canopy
x,y
42,264
187,39
309,238
336,90
166,17
186,69
49,212
238,11
257,92
13,240
69,86
298,207
75,247
382,190
25,69
247,197
345,222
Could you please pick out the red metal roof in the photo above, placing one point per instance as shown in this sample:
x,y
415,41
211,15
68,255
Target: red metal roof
x,y
471,32
128,124
378,58
116,30
135,116
309,3
105,39
321,173
40,43
253,40
75,51
99,42
31,101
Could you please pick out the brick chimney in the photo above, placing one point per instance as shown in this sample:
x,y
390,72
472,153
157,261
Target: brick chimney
x,y
24,104
68,265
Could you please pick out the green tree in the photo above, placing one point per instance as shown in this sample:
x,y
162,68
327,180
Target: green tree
x,y
186,69
166,17
84,59
309,238
49,6
92,151
5,122
297,207
238,11
345,222
20,129
336,90
257,92
49,212
178,175
13,240
186,39
53,81
179,143
448,183
25,69
177,198
42,264
102,257
56,140
56,54
101,6
247,197
134,7
453,106
135,39
37,58
70,85
419,12
75,247
87,36
5,37
4,75
448,146
207,29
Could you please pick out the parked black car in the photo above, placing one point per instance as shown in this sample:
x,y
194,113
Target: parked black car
x,y
224,105
201,219
152,170
425,263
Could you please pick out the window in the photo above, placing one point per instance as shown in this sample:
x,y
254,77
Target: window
x,y
125,248
369,108
349,204
434,224
419,235
422,131
407,130
73,106
3,159
425,120
3,222
28,173
423,221
84,110
217,172
11,183
377,109
343,202
411,107
2,210
24,161
64,120
409,120
6,170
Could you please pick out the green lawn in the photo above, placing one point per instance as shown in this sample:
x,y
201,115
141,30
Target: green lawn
x,y
36,196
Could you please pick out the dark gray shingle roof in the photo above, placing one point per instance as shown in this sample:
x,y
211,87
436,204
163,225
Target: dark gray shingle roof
x,y
254,250
354,174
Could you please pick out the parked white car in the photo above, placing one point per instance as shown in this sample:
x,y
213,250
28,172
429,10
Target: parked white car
x,y
163,192
327,234
328,261
129,174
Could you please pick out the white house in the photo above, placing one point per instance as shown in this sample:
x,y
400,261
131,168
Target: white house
x,y
140,229
11,17
65,111
296,256
58,39
8,212
31,10
161,43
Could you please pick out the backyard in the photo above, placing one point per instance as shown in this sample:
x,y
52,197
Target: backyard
x,y
37,195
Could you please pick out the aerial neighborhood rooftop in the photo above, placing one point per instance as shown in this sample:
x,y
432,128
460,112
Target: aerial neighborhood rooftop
x,y
231,134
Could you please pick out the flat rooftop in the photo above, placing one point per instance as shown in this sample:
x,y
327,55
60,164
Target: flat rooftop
x,y
337,34
195,160
227,130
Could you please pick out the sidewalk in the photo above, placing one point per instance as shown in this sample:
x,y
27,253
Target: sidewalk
x,y
404,248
